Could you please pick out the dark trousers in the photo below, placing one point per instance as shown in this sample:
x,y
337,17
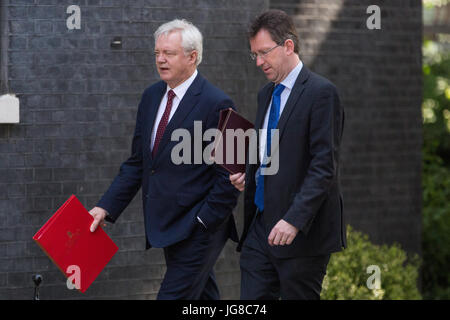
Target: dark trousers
x,y
190,262
265,277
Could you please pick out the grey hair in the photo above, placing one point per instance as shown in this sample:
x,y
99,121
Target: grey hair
x,y
191,37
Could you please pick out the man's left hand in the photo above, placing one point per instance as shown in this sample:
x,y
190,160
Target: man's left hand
x,y
283,233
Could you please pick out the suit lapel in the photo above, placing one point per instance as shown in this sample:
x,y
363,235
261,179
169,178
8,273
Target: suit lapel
x,y
186,105
296,92
262,110
263,104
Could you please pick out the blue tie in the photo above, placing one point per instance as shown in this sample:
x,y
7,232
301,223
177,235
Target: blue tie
x,y
274,115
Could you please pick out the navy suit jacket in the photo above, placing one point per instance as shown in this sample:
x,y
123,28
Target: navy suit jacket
x,y
174,195
306,190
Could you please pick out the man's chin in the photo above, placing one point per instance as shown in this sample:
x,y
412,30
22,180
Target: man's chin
x,y
164,76
270,77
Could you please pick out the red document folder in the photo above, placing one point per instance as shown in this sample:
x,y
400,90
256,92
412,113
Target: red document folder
x,y
230,119
68,242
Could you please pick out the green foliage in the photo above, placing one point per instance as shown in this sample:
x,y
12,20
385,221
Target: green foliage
x,y
347,271
436,228
436,173
432,3
436,101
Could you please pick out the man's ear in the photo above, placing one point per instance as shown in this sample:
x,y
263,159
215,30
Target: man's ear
x,y
193,56
289,45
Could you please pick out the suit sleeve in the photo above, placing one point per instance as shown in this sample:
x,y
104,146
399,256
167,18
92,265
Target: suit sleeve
x,y
129,180
325,134
222,197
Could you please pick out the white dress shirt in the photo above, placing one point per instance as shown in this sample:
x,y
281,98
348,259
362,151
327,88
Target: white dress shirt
x,y
288,83
179,91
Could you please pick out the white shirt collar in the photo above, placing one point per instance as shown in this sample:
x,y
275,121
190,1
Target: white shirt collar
x,y
181,89
289,81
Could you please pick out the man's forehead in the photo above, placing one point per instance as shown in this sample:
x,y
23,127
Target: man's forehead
x,y
168,41
262,39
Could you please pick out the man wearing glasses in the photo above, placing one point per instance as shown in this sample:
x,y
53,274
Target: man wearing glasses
x,y
293,219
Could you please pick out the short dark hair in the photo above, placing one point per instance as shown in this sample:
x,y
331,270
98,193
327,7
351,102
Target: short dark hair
x,y
279,25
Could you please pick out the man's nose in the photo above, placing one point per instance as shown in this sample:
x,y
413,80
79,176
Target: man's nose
x,y
160,58
259,61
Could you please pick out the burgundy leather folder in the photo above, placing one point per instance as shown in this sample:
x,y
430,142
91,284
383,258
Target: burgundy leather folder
x,y
230,119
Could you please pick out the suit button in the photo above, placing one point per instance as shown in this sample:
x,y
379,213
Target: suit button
x,y
153,172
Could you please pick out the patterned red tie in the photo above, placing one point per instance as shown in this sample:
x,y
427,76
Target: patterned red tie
x,y
163,122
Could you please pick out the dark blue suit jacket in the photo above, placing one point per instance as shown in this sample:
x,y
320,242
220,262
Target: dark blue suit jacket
x,y
174,195
306,190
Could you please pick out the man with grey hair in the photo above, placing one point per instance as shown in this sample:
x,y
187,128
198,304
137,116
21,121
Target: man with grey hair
x,y
187,207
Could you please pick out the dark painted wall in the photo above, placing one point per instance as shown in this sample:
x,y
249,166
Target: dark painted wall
x,y
79,99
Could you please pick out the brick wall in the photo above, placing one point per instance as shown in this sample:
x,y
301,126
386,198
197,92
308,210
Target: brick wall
x,y
79,99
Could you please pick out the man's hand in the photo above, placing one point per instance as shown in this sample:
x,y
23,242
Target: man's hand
x,y
283,233
99,215
238,180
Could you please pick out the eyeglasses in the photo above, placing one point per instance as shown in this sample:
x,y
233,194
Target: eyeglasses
x,y
262,54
